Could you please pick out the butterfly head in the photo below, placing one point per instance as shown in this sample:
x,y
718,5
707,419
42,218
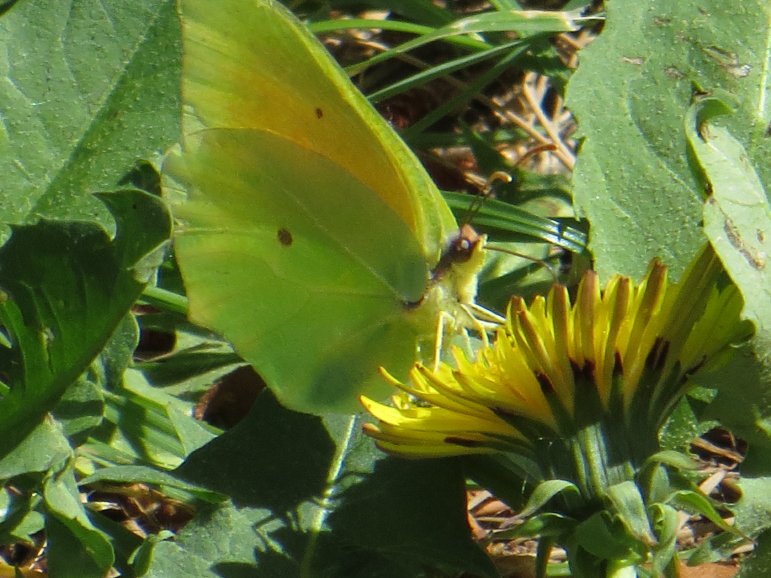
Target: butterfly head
x,y
459,266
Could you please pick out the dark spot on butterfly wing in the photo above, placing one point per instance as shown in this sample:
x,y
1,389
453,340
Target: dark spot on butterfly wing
x,y
319,113
285,237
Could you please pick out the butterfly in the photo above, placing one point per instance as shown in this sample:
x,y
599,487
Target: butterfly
x,y
308,234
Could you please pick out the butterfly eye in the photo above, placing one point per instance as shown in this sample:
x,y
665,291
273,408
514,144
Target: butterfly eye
x,y
464,244
459,250
462,249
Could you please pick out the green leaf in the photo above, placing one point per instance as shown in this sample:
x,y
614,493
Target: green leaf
x,y
124,543
66,554
666,524
605,539
18,521
145,426
545,491
423,77
541,526
86,89
43,447
753,510
64,288
630,95
758,564
312,497
198,358
81,408
677,460
75,547
698,502
743,403
737,221
737,217
630,509
686,423
134,474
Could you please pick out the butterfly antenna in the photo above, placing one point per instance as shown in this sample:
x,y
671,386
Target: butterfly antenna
x,y
478,200
506,178
535,151
499,177
543,262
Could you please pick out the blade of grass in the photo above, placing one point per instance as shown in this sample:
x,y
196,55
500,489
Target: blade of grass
x,y
467,94
497,215
327,26
523,22
444,69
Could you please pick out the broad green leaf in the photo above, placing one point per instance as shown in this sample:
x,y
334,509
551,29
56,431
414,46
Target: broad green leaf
x,y
43,447
737,221
758,564
753,509
686,422
630,95
76,549
743,403
86,88
196,360
144,426
17,519
66,555
312,497
65,287
737,217
217,542
81,408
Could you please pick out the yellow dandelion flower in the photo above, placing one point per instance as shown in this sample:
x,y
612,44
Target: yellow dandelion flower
x,y
620,357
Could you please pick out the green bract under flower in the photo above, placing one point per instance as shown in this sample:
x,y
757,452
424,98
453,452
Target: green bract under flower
x,y
621,357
